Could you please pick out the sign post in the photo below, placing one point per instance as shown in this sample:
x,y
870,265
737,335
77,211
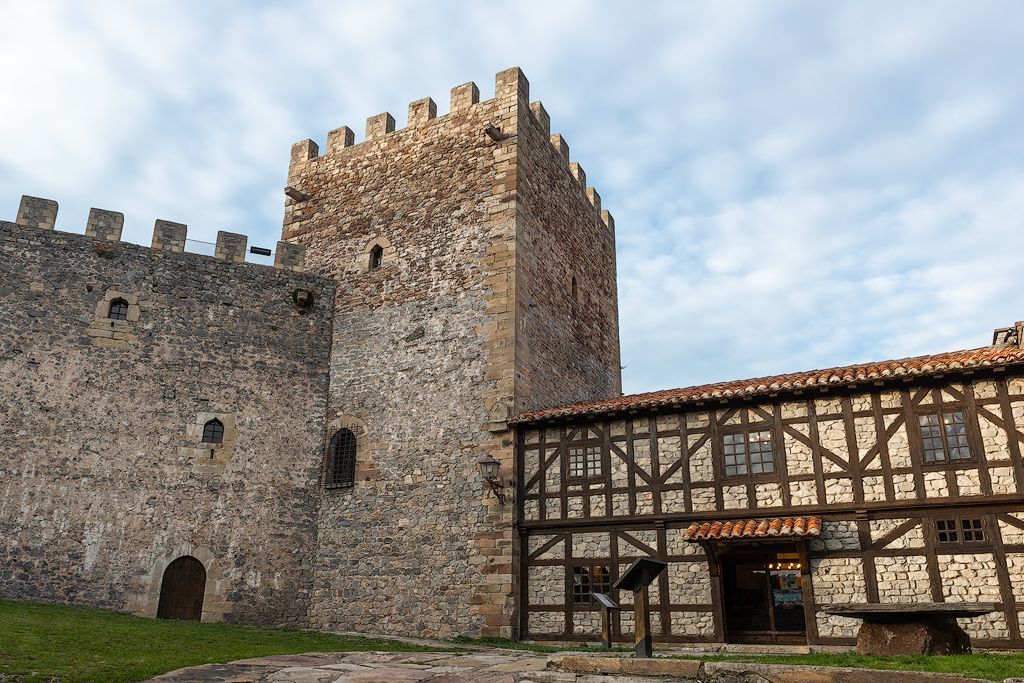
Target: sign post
x,y
636,579
607,605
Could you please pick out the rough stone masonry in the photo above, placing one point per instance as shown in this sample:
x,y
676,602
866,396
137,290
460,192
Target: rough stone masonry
x,y
457,271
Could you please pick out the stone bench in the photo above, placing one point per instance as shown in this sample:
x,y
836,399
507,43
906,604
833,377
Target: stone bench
x,y
912,628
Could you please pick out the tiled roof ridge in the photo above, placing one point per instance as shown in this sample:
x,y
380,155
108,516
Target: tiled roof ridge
x,y
916,366
754,528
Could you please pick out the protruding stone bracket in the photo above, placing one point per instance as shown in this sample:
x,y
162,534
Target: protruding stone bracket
x,y
290,256
296,194
495,133
168,236
37,212
231,246
104,225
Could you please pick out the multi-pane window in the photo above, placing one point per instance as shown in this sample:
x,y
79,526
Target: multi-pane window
x,y
586,580
341,460
960,531
118,310
944,436
213,431
748,453
585,462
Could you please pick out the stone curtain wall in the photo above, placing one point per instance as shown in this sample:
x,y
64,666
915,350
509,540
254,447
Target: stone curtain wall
x,y
104,478
842,454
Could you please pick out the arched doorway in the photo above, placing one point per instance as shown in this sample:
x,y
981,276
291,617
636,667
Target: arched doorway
x,y
181,591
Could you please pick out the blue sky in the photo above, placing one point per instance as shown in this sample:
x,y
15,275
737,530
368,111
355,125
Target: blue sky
x,y
795,184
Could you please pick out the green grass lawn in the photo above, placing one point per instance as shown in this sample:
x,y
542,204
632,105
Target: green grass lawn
x,y
71,644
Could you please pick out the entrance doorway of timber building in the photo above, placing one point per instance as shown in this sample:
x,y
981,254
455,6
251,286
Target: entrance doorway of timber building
x,y
182,589
762,595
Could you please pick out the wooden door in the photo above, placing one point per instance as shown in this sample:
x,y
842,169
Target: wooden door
x,y
181,592
763,597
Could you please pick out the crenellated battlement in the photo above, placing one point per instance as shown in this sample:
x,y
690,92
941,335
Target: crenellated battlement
x,y
511,87
106,226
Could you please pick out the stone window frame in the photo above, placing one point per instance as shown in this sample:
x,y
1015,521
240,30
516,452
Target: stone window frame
x,y
947,463
114,332
388,255
213,452
746,430
958,520
365,468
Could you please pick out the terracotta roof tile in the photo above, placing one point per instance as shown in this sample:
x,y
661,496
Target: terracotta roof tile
x,y
921,366
753,528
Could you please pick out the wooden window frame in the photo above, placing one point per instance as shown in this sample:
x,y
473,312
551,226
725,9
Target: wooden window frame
x,y
947,463
593,468
581,595
961,530
746,430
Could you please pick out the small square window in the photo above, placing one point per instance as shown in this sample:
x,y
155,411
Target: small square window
x,y
947,530
973,530
585,462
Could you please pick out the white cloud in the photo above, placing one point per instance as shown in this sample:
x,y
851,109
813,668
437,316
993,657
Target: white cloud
x,y
802,183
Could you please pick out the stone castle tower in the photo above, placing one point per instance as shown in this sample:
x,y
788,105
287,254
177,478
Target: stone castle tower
x,y
475,275
167,414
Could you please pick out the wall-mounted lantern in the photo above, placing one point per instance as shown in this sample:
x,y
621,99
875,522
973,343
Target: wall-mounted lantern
x,y
489,469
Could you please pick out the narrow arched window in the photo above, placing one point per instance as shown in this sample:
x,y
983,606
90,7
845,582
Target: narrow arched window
x,y
118,310
376,256
341,460
213,431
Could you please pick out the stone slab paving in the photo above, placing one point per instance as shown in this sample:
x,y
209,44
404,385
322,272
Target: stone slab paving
x,y
504,666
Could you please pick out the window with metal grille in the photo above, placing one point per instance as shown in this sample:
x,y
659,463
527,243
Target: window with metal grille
x,y
213,431
376,257
587,580
944,436
118,310
585,462
960,531
748,453
341,460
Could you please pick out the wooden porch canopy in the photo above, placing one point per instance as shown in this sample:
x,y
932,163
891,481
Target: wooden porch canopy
x,y
768,529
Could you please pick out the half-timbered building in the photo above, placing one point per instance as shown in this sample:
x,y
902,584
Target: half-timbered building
x,y
774,498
